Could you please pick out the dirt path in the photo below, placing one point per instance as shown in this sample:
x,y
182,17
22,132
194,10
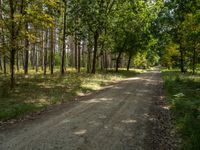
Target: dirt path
x,y
113,119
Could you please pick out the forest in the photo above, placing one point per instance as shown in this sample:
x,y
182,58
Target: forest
x,y
54,50
48,34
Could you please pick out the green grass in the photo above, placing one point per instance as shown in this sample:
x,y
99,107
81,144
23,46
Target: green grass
x,y
36,92
183,94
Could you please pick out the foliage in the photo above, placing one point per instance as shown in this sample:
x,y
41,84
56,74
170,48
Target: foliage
x,y
170,56
178,23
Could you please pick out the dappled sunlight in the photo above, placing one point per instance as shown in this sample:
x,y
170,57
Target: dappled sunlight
x,y
98,100
166,107
129,121
135,78
92,86
117,87
143,91
102,117
94,123
149,80
118,128
80,132
128,93
44,101
146,115
65,121
105,127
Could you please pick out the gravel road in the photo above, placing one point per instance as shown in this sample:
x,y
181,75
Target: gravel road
x,y
113,119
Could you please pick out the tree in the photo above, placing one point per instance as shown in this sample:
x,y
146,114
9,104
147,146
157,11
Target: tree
x,y
64,38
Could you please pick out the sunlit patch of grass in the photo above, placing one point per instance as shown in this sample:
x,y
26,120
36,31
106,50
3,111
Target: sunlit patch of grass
x,y
36,91
183,94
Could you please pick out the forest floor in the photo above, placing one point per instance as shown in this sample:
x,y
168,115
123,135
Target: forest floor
x,y
35,92
129,115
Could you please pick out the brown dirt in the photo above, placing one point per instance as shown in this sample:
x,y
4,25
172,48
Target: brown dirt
x,y
117,118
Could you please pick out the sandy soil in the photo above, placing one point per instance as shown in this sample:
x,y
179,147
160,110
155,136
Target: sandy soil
x,y
113,119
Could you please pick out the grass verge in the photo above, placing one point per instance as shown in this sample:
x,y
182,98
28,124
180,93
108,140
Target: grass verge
x,y
36,92
183,95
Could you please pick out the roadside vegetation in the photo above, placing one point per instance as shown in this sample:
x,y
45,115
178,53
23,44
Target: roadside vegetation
x,y
183,96
36,92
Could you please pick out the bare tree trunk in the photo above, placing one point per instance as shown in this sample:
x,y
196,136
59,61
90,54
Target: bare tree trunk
x,y
83,47
96,36
26,53
3,42
64,40
105,61
118,61
37,61
194,61
12,67
45,53
1,52
89,60
33,60
12,45
75,53
52,50
1,67
102,60
42,52
129,62
18,65
4,65
182,59
79,58
119,56
71,46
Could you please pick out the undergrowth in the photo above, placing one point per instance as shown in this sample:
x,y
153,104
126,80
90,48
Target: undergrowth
x,y
183,95
36,92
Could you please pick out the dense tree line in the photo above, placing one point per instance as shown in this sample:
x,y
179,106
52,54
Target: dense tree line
x,y
97,34
178,30
93,34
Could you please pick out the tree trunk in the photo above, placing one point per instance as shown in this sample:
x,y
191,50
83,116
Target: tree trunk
x,y
1,67
194,62
12,68
12,45
79,58
1,52
42,52
52,50
82,54
63,40
96,36
18,65
37,61
4,65
75,53
182,60
89,60
119,56
129,62
118,61
3,43
26,53
105,61
45,53
33,57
